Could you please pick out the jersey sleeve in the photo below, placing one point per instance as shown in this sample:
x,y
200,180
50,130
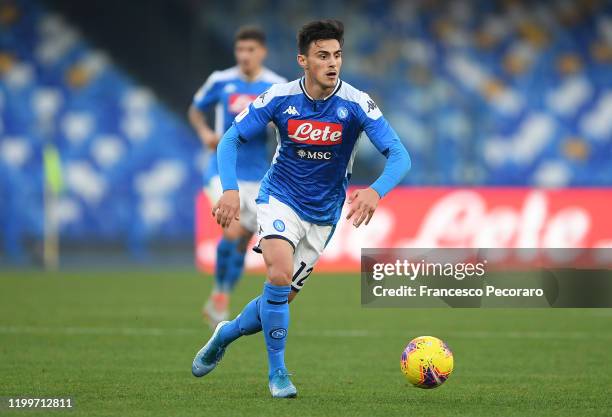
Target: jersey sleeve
x,y
209,93
377,128
255,118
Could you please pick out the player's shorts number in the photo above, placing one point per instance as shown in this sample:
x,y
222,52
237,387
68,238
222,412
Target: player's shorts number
x,y
297,281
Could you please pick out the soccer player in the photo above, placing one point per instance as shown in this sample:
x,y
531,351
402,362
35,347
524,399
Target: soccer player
x,y
231,91
320,119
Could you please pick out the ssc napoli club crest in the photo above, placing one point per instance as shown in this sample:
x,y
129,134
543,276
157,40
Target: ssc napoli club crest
x,y
230,88
279,333
279,225
342,112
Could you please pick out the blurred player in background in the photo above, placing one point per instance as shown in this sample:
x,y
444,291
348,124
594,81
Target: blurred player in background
x,y
231,91
320,119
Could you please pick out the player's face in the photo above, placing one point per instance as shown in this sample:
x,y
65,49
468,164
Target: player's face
x,y
323,61
250,55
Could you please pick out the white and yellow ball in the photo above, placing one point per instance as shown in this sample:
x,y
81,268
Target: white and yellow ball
x,y
427,362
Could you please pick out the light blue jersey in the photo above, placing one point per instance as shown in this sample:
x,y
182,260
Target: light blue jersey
x,y
231,93
317,144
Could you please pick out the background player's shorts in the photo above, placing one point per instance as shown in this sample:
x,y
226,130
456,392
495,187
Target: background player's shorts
x,y
308,240
248,193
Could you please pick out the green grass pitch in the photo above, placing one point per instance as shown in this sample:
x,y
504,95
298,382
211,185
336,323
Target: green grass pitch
x,y
121,342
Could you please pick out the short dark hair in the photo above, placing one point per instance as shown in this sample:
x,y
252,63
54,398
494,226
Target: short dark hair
x,y
250,33
319,30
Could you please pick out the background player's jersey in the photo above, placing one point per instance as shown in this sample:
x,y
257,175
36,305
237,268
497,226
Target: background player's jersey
x,y
230,93
317,144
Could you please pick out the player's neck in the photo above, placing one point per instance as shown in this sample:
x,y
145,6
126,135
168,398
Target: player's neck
x,y
316,90
252,75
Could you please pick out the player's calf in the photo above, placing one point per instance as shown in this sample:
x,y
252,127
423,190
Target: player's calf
x,y
274,304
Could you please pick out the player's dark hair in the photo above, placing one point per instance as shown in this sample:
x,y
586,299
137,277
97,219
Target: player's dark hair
x,y
319,30
250,33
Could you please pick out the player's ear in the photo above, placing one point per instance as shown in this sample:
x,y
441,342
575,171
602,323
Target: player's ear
x,y
302,62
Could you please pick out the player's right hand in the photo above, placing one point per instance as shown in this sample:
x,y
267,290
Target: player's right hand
x,y
210,138
227,208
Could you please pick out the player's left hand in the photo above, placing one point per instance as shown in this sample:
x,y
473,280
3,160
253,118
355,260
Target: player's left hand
x,y
363,202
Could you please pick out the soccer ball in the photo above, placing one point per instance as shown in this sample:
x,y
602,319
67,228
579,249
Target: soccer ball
x,y
427,362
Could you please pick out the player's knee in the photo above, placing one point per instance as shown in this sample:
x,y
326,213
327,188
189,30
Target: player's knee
x,y
243,242
231,233
238,233
279,275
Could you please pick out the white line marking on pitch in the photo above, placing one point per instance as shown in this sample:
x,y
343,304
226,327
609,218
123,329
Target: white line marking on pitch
x,y
102,331
148,331
341,333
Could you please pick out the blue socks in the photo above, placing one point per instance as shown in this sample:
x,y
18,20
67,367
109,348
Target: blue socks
x,y
225,249
247,322
229,265
235,267
274,314
269,312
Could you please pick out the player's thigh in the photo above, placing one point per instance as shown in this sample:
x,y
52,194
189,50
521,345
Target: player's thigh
x,y
307,254
278,257
279,230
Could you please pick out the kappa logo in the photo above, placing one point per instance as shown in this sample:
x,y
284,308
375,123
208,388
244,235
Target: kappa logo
x,y
292,111
371,105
